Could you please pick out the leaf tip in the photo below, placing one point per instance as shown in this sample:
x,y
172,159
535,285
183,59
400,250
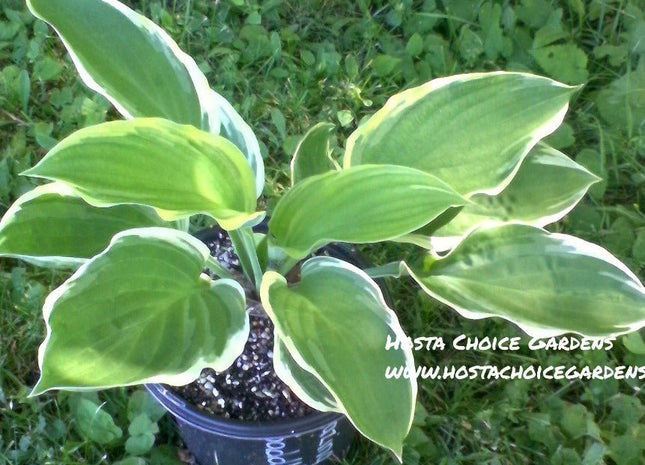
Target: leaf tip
x,y
594,178
577,88
30,172
40,388
398,452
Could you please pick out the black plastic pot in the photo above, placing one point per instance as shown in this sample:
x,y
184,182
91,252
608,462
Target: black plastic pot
x,y
311,440
214,441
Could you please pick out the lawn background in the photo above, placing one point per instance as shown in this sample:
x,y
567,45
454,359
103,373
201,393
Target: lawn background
x,y
286,66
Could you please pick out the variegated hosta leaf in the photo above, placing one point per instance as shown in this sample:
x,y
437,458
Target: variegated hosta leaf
x,y
52,226
304,384
138,67
235,129
471,131
547,284
364,204
546,187
141,312
129,60
334,324
177,169
312,154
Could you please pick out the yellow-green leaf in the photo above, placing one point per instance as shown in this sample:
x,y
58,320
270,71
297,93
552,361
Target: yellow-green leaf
x,y
234,128
547,284
304,384
128,59
177,169
312,154
335,325
546,187
52,226
141,311
471,131
363,204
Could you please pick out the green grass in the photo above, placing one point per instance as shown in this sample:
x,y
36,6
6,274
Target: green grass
x,y
288,65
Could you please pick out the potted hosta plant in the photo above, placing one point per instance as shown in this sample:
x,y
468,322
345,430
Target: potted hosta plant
x,y
455,166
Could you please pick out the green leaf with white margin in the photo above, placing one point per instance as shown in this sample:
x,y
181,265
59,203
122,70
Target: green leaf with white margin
x,y
547,284
546,187
129,60
177,169
472,131
141,312
235,129
303,383
52,226
138,67
312,153
335,323
360,205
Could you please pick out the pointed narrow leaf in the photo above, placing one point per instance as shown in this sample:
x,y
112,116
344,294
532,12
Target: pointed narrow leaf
x,y
177,169
128,59
52,226
235,129
363,204
547,284
244,244
141,312
392,270
471,131
546,187
303,383
335,323
312,154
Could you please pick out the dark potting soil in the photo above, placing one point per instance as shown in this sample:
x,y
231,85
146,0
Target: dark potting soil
x,y
249,390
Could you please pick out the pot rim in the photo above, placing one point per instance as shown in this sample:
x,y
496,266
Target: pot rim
x,y
187,413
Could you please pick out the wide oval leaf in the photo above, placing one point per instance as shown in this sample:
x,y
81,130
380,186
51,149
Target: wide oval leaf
x,y
546,187
141,312
335,323
471,131
52,226
360,205
128,59
312,153
547,284
177,169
